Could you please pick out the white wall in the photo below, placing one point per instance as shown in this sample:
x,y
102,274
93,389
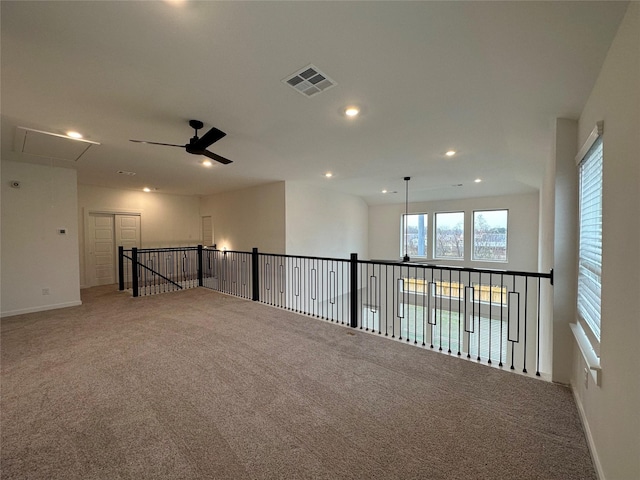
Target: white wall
x,y
247,218
564,248
166,220
34,255
611,411
325,223
384,228
546,241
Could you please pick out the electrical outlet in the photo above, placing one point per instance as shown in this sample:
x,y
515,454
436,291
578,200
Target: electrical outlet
x,y
45,291
586,377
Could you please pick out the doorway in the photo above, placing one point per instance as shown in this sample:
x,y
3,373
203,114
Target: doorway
x,y
103,234
207,231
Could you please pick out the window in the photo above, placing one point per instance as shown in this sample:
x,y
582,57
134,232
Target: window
x,y
590,236
414,235
449,235
490,235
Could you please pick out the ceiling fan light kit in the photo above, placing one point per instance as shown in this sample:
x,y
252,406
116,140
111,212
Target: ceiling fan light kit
x,y
198,145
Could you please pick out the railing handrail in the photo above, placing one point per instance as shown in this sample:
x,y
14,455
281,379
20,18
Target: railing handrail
x,y
305,257
494,271
498,271
368,293
452,268
162,249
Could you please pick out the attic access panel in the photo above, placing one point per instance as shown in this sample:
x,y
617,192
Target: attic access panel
x,y
50,145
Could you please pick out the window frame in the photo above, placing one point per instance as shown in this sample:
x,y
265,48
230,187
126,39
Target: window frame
x,y
473,236
594,140
403,235
435,236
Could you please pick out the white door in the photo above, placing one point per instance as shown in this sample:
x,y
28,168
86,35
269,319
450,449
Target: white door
x,y
102,254
127,235
207,231
106,233
128,231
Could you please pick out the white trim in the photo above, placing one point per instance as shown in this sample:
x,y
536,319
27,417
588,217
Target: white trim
x,y
42,308
597,132
83,140
587,432
113,211
588,353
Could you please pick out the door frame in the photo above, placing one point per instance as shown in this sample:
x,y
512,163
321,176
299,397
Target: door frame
x,y
87,212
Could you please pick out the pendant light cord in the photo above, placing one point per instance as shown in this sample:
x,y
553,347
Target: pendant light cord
x,y
406,214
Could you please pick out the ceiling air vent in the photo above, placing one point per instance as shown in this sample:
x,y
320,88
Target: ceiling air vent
x,y
309,81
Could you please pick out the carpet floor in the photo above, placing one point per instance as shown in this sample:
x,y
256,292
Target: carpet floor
x,y
200,385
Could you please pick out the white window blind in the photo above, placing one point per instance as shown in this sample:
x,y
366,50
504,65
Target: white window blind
x,y
590,239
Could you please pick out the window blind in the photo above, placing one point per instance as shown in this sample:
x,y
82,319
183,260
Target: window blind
x,y
590,237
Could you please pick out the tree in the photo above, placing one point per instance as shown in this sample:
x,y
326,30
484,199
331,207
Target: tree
x,y
489,242
450,241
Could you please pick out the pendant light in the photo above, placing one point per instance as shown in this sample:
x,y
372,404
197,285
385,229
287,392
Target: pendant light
x,y
406,214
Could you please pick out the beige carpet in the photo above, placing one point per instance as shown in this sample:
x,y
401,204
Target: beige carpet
x,y
199,385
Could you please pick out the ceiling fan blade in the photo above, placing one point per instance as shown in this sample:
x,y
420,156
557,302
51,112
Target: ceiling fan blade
x,y
157,143
208,138
216,157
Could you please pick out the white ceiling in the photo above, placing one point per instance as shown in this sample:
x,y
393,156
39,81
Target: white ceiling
x,y
484,78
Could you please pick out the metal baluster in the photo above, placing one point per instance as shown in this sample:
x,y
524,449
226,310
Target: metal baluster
x,y
526,302
538,330
490,313
502,300
450,315
479,314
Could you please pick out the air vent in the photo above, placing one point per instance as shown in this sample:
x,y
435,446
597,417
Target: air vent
x,y
309,81
122,172
50,145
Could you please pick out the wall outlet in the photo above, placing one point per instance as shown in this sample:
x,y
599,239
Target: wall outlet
x,y
45,291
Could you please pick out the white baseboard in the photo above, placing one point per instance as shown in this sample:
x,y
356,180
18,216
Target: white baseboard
x,y
587,431
42,308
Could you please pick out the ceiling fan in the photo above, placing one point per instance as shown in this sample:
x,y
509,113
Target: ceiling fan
x,y
198,145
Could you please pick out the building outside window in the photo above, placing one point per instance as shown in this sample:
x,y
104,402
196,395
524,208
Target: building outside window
x,y
414,235
490,235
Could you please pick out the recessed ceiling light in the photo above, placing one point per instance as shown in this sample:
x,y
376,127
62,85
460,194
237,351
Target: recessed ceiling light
x,y
478,180
450,153
328,174
385,191
146,189
74,134
207,163
352,111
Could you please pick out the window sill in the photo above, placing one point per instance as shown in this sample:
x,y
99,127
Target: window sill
x,y
589,355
